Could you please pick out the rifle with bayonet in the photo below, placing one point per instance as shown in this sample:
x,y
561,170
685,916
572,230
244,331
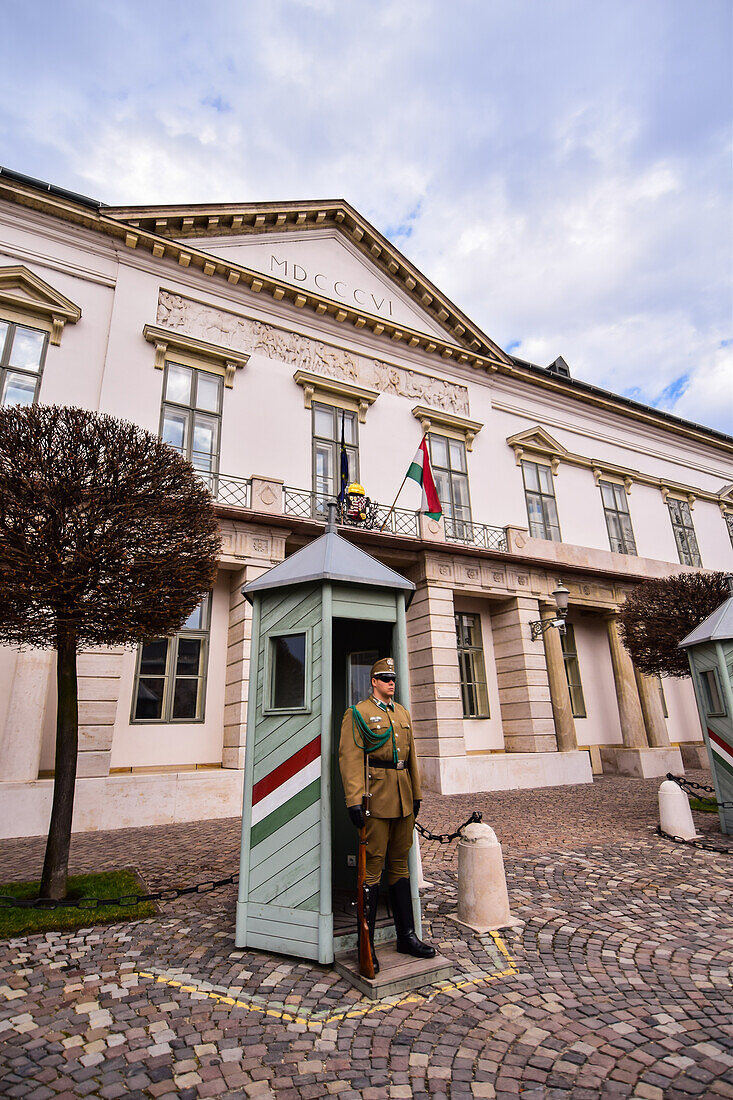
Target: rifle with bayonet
x,y
366,958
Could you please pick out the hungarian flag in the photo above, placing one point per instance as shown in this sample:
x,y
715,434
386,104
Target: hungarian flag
x,y
421,473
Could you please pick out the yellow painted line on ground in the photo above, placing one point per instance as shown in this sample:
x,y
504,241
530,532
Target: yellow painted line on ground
x,y
365,1008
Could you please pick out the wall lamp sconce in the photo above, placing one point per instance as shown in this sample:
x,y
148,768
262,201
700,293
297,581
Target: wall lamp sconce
x,y
561,596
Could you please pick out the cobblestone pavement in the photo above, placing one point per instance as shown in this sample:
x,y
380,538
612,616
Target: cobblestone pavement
x,y
617,984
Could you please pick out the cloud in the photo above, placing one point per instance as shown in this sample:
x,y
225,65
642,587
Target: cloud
x,y
560,170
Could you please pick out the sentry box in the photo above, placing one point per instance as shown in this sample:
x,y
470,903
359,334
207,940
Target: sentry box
x,y
710,654
320,620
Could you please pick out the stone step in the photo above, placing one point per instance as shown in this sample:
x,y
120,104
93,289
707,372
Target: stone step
x,y
398,973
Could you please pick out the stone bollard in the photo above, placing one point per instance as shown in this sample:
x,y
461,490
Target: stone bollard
x,y
483,902
675,815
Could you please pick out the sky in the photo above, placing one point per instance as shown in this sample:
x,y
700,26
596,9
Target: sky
x,y
561,169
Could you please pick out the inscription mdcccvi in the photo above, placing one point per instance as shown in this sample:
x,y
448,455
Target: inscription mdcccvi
x,y
296,273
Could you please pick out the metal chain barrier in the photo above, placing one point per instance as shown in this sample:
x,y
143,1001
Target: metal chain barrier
x,y
703,844
446,838
126,901
689,787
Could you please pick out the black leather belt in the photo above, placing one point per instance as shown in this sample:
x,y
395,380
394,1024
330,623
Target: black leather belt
x,y
399,766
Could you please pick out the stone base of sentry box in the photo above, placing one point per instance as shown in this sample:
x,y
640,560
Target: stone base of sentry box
x,y
640,763
397,973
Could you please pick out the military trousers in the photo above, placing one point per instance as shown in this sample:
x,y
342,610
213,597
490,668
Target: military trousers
x,y
390,839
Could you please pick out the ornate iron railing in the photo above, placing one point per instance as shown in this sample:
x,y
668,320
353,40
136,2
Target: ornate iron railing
x,y
228,489
475,534
307,504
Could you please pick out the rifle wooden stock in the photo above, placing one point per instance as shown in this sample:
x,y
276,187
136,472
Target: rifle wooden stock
x,y
366,959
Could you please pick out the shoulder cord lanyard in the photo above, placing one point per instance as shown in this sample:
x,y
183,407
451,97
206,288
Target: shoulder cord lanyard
x,y
371,740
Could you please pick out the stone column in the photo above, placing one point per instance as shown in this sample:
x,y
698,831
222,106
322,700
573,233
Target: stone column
x,y
651,708
629,705
562,707
22,737
435,687
521,671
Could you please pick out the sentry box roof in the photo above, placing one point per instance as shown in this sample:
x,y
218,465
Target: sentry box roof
x,y
330,558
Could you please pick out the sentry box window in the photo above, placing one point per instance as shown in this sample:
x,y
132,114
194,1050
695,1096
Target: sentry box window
x,y
288,676
712,698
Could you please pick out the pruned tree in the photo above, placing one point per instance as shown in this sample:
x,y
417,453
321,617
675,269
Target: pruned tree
x,y
659,613
107,537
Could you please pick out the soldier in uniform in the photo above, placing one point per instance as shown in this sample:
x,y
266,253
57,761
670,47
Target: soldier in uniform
x,y
377,735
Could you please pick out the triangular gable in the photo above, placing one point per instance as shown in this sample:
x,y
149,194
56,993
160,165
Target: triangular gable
x,y
198,224
537,441
23,292
326,263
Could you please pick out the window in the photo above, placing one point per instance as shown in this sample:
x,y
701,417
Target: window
x,y
572,671
684,532
729,524
448,462
287,674
22,352
539,493
618,520
191,417
327,421
170,683
711,695
471,663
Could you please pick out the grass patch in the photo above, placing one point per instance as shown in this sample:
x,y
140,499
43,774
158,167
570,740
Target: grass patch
x,y
105,884
705,807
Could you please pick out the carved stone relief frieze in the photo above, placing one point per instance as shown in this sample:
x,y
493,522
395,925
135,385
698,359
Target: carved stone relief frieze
x,y
219,326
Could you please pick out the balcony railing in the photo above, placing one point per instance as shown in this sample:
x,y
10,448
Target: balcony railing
x,y
310,505
476,534
228,489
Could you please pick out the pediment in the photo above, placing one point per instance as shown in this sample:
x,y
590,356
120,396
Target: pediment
x,y
536,441
325,263
365,276
25,296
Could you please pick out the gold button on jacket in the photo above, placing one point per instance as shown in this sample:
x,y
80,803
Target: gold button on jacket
x,y
393,791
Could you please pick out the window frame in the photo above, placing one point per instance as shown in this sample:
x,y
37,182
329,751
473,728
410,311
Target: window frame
x,y
170,676
352,450
211,477
728,517
707,696
571,661
542,497
684,532
452,477
6,367
472,654
269,683
626,542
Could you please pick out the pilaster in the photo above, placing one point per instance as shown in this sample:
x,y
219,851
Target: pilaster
x,y
521,671
98,677
562,707
651,709
435,689
22,737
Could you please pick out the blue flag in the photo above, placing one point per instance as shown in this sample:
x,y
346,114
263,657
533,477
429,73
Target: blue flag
x,y
344,465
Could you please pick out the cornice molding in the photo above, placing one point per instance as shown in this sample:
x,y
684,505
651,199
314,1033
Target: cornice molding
x,y
28,297
357,397
228,361
538,441
457,427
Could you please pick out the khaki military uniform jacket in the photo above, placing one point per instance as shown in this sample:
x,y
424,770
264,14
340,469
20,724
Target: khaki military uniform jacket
x,y
393,791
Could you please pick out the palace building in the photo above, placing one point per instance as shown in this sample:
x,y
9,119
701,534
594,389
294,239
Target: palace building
x,y
248,336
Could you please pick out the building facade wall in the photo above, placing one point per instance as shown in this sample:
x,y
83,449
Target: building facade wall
x,y
105,362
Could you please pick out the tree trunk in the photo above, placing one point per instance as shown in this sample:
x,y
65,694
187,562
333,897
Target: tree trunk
x,y
56,863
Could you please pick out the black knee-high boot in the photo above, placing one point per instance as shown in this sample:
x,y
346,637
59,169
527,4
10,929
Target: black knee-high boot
x,y
404,922
371,901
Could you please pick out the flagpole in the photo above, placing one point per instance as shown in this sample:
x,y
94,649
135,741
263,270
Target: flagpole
x,y
404,479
